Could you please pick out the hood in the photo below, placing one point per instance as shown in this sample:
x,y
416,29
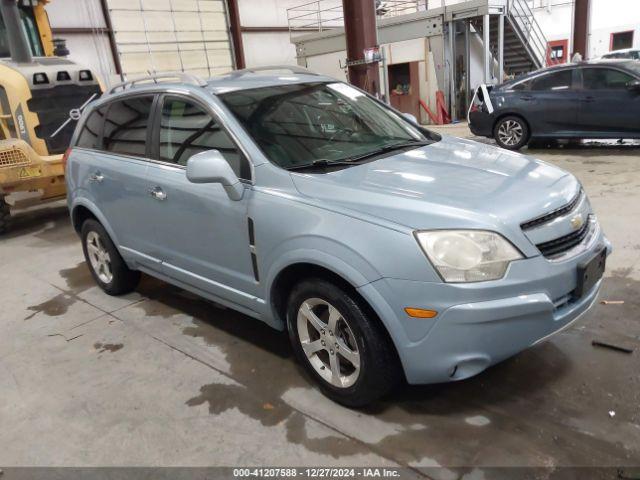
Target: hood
x,y
452,183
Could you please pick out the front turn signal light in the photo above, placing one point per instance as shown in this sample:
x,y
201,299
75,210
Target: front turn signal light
x,y
420,312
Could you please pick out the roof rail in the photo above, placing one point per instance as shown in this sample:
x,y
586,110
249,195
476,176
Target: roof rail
x,y
295,69
181,76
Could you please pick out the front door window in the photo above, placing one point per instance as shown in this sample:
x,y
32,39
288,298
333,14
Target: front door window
x,y
187,129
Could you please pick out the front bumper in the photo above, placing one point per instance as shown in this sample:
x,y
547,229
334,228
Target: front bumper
x,y
480,324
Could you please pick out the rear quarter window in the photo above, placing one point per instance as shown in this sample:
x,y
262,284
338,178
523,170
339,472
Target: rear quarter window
x,y
91,132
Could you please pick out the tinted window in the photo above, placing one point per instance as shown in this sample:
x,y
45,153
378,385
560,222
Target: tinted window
x,y
125,128
92,129
553,81
187,129
605,79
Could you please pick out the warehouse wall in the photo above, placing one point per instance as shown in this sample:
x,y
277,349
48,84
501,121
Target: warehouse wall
x,y
610,16
266,32
556,20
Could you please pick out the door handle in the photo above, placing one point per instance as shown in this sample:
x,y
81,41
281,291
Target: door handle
x,y
526,98
96,177
158,193
589,99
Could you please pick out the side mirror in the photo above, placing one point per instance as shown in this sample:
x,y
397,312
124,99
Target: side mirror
x,y
412,118
634,86
211,167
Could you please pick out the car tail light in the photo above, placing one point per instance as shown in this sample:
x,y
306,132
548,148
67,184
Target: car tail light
x,y
65,157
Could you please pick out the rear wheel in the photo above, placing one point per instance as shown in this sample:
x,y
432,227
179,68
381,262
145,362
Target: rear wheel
x,y
511,132
338,342
105,263
5,216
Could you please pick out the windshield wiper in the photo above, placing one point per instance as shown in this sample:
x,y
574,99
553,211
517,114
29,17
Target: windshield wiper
x,y
323,162
319,163
389,148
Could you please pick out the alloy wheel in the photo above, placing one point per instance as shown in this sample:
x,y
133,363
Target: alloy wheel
x,y
328,342
510,132
99,257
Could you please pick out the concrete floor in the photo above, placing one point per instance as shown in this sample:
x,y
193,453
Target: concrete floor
x,y
160,377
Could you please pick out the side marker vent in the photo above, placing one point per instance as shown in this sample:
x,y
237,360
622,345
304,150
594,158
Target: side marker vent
x,y
252,249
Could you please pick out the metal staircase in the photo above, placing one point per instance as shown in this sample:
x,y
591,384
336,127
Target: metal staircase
x,y
525,46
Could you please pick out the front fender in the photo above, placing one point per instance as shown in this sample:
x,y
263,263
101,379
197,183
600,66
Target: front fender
x,y
320,251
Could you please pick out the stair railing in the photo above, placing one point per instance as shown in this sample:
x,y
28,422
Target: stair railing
x,y
529,31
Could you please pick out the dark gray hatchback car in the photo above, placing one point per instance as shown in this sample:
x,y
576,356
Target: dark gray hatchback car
x,y
596,99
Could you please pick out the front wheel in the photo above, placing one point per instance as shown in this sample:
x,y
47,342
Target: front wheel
x,y
338,342
107,266
511,132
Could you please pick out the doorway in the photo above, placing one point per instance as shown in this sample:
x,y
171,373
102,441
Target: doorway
x,y
404,88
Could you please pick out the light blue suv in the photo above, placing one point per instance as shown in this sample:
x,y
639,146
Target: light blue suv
x,y
386,251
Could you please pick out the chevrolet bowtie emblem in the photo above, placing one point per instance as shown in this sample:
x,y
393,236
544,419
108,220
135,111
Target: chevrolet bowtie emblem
x,y
576,222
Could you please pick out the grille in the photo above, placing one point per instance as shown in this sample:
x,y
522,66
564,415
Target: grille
x,y
562,244
547,217
12,158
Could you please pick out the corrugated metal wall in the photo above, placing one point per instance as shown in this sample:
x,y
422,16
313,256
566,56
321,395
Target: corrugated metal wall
x,y
172,35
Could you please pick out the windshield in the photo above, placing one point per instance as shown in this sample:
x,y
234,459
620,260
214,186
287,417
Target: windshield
x,y
299,124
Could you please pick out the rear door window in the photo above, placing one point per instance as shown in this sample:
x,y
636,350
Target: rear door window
x,y
605,79
126,124
552,81
186,129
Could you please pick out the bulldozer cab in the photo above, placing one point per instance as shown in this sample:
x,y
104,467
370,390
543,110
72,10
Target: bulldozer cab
x,y
41,99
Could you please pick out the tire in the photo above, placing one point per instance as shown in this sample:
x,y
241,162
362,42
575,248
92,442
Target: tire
x,y
355,331
511,132
5,216
105,263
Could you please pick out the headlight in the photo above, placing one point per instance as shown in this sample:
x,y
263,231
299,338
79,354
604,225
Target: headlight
x,y
468,255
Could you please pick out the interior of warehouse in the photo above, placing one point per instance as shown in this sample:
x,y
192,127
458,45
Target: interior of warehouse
x,y
320,238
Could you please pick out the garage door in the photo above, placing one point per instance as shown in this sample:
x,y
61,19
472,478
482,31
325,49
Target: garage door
x,y
172,35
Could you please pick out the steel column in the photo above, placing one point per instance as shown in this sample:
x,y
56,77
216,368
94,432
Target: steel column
x,y
486,25
580,27
361,33
500,48
236,33
467,62
385,77
452,70
112,38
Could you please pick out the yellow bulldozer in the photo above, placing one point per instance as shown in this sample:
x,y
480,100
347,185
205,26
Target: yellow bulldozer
x,y
41,98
